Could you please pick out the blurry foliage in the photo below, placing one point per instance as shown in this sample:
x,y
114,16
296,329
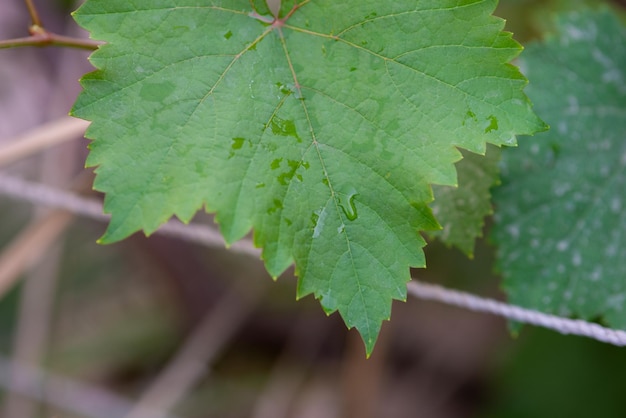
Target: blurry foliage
x,y
549,375
18,214
529,19
108,308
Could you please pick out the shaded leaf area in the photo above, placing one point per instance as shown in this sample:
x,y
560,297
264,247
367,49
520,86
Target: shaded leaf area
x,y
323,130
560,219
461,210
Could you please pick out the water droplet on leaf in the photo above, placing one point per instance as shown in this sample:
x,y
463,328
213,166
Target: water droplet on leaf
x,y
349,206
283,88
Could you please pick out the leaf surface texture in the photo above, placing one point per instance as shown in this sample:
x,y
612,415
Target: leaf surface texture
x,y
461,210
560,218
322,130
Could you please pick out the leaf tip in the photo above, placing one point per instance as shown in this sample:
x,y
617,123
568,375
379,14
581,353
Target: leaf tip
x,y
369,348
107,238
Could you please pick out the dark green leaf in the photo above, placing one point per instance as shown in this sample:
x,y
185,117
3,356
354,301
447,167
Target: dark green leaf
x,y
560,218
461,210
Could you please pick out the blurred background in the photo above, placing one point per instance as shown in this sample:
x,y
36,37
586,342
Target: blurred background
x,y
161,323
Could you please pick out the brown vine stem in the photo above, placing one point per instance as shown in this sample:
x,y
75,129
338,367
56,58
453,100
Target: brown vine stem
x,y
40,37
32,10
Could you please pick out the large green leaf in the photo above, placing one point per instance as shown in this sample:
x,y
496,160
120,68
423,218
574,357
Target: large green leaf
x,y
461,210
560,219
322,130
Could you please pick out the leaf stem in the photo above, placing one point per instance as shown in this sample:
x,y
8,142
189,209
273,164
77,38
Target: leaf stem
x,y
294,8
40,37
32,10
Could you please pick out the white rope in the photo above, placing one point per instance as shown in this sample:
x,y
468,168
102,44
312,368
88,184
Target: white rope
x,y
48,196
41,194
465,300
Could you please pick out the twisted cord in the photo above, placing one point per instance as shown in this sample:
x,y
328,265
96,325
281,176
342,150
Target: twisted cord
x,y
41,194
47,196
465,300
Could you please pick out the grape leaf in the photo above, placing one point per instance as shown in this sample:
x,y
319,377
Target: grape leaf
x,y
560,219
322,129
461,210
